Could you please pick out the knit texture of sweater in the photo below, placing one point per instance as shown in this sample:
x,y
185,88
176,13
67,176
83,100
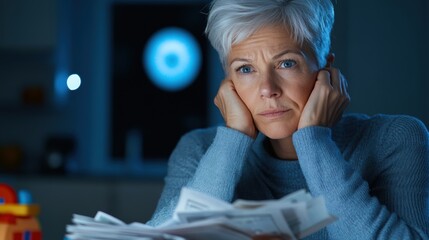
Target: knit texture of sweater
x,y
372,171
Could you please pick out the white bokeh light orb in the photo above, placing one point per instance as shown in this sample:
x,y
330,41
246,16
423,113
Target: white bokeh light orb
x,y
73,82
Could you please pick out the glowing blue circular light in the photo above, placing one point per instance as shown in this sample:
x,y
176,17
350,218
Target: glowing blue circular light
x,y
172,59
73,82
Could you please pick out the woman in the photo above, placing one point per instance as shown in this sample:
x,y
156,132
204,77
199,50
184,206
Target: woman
x,y
283,102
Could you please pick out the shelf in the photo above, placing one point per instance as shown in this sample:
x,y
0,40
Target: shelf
x,y
28,109
26,56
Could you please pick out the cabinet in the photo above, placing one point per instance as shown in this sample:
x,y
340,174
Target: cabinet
x,y
28,37
28,32
27,24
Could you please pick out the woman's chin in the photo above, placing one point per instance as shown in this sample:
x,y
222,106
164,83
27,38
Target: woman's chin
x,y
281,129
277,133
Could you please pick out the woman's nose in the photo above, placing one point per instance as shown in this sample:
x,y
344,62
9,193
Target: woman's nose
x,y
269,87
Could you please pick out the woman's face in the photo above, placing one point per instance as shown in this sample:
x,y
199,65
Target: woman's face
x,y
274,77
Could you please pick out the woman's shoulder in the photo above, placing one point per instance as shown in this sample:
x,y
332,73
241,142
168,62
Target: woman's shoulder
x,y
192,145
199,136
388,125
382,120
403,128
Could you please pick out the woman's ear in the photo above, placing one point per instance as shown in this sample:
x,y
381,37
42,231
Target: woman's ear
x,y
330,60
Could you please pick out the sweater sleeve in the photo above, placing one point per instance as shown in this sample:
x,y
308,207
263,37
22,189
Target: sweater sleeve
x,y
209,165
400,208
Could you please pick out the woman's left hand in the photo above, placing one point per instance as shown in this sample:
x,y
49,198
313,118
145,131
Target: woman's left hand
x,y
328,100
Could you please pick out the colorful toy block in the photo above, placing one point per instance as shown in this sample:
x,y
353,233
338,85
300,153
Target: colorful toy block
x,y
18,215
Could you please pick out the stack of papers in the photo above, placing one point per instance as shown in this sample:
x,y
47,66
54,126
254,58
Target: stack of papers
x,y
199,216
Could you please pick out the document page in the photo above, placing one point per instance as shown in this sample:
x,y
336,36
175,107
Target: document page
x,y
200,216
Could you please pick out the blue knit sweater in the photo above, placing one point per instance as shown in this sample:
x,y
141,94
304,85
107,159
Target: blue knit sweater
x,y
372,171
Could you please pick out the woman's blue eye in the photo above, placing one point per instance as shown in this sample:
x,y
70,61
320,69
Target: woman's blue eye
x,y
287,63
245,69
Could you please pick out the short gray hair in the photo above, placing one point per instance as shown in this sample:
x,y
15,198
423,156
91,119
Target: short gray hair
x,y
310,22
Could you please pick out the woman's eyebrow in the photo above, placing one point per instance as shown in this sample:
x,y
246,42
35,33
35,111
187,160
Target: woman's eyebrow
x,y
239,60
287,51
277,56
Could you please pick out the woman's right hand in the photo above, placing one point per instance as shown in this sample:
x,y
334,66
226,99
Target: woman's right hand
x,y
233,110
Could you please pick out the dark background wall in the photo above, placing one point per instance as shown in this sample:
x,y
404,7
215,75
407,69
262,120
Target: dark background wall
x,y
380,46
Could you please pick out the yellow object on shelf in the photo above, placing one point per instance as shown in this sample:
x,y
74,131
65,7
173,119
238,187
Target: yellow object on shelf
x,y
30,210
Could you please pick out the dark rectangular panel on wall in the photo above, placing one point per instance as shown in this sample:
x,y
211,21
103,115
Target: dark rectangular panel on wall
x,y
144,113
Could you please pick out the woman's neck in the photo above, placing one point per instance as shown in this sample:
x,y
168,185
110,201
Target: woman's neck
x,y
284,149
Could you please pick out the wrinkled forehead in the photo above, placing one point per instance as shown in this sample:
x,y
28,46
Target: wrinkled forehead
x,y
271,39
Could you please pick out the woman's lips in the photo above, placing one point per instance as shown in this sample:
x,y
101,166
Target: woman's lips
x,y
274,113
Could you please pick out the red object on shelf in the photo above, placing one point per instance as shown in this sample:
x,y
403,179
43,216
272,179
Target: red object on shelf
x,y
17,217
7,194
